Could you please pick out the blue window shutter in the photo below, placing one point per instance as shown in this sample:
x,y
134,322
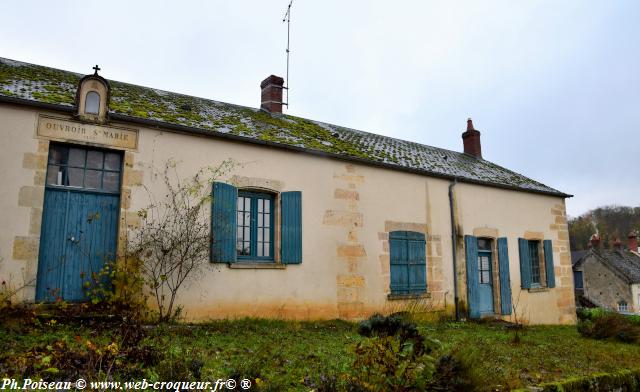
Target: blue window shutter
x,y
408,262
473,294
417,266
525,265
291,227
399,261
548,264
223,223
505,281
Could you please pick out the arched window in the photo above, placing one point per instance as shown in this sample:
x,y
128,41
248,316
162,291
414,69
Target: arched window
x,y
92,103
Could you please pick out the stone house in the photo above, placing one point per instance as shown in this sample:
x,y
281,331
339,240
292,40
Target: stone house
x,y
328,221
609,278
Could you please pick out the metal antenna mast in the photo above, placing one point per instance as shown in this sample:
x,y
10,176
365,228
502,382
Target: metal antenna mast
x,y
287,18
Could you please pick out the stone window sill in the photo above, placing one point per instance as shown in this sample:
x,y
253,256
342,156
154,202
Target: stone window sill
x,y
256,265
393,297
538,289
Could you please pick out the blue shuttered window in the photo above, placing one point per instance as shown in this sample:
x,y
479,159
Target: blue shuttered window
x,y
242,226
473,292
505,281
408,263
291,227
531,260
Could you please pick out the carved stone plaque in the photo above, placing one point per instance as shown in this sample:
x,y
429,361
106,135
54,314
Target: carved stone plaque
x,y
62,129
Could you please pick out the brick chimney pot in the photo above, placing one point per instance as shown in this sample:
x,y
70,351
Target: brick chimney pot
x,y
471,141
595,241
271,96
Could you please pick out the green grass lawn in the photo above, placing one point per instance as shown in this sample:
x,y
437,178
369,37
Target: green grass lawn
x,y
283,354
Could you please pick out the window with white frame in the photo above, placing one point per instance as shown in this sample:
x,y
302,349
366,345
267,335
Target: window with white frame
x,y
623,306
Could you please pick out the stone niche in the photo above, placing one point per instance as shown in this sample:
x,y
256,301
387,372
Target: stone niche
x,y
92,98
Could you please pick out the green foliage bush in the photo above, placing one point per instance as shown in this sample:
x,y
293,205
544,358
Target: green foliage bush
x,y
395,356
591,313
452,375
602,324
386,364
394,325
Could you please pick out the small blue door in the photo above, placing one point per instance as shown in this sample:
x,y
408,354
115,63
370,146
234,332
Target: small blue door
x,y
485,281
79,221
480,276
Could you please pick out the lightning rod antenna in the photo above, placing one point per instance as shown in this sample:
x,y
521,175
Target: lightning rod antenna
x,y
287,18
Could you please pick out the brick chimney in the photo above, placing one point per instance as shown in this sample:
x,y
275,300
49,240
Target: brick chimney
x,y
471,141
595,241
633,241
272,94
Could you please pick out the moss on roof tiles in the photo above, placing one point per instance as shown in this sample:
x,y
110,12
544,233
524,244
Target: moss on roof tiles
x,y
52,86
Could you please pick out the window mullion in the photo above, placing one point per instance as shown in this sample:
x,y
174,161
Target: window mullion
x,y
272,208
253,223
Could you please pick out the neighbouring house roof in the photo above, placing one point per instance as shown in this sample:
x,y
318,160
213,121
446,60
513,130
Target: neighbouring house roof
x,y
622,261
577,255
51,88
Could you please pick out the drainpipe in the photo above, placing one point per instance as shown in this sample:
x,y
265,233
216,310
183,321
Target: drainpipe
x,y
454,238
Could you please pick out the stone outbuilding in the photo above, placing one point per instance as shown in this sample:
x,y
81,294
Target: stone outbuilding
x,y
608,278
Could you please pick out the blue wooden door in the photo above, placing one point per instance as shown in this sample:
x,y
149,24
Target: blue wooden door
x,y
79,222
479,276
485,282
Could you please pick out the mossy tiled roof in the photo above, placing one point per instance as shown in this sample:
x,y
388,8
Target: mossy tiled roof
x,y
623,261
28,83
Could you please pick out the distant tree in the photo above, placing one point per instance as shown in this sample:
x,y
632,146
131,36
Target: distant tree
x,y
611,222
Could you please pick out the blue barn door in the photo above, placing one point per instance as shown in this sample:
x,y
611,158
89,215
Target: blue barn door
x,y
79,221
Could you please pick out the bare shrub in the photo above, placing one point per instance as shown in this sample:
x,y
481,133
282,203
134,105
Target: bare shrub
x,y
172,243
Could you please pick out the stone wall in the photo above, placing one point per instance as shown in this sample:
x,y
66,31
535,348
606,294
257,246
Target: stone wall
x,y
603,286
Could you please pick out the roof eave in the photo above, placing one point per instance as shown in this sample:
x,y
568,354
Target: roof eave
x,y
209,133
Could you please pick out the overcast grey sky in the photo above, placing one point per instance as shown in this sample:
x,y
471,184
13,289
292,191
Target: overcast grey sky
x,y
554,86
